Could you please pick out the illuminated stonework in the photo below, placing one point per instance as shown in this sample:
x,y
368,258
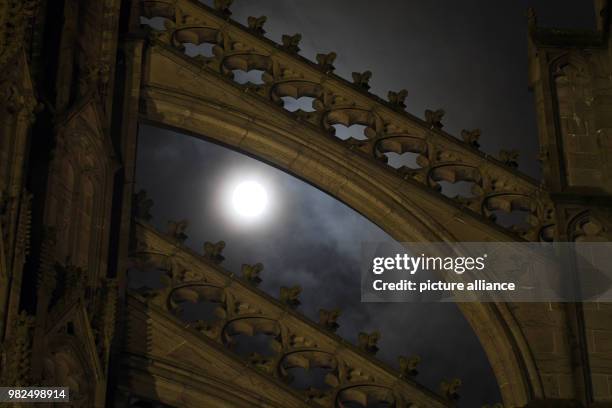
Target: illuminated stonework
x,y
76,80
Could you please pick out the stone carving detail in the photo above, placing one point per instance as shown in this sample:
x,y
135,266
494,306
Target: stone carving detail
x,y
434,118
16,353
409,366
397,99
223,6
362,79
291,42
290,296
471,137
589,227
213,251
94,75
22,239
176,230
509,157
256,24
326,61
15,96
450,389
14,26
329,319
494,186
368,341
240,312
251,273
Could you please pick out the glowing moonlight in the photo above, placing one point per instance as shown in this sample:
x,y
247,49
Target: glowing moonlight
x,y
250,199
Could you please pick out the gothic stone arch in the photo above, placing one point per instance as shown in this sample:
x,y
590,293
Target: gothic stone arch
x,y
177,95
536,350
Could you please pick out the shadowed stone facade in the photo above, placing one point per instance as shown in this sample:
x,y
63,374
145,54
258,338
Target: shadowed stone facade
x,y
77,78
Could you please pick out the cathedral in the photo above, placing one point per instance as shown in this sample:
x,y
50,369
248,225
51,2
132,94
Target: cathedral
x,y
78,78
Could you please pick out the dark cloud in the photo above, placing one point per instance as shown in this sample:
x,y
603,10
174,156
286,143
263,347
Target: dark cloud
x,y
468,57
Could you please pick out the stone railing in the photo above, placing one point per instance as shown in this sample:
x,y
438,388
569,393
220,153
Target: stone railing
x,y
491,187
303,354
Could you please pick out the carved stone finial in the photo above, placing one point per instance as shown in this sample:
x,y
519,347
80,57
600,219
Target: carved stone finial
x,y
176,230
256,24
251,273
434,118
326,61
397,99
368,341
532,18
409,366
450,389
362,79
291,42
142,206
509,157
328,319
213,251
471,137
290,296
223,6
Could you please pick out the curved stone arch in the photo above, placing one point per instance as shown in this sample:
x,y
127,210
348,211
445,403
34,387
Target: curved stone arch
x,y
396,205
295,88
364,390
586,226
401,143
286,362
249,325
349,116
567,59
194,292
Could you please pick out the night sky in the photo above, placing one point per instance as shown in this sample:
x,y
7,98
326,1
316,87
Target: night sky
x,y
468,57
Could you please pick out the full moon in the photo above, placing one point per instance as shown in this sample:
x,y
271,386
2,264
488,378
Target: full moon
x,y
249,199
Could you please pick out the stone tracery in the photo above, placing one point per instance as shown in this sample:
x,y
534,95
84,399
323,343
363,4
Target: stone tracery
x,y
339,106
